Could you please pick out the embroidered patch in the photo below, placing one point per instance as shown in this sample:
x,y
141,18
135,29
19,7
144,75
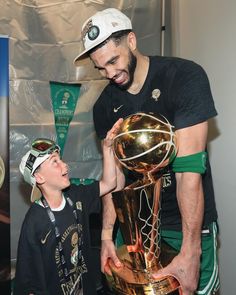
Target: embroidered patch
x,y
79,205
86,28
93,33
156,94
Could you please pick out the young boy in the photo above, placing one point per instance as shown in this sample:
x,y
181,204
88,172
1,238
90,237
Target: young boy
x,y
53,252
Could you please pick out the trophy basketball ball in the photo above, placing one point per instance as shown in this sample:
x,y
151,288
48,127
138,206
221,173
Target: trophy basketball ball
x,y
145,144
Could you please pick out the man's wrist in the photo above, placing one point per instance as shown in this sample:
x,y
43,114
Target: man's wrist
x,y
106,234
191,249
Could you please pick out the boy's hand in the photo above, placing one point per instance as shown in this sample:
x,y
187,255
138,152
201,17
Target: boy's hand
x,y
111,134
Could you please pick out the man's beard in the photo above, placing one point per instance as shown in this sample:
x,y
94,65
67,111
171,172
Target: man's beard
x,y
131,69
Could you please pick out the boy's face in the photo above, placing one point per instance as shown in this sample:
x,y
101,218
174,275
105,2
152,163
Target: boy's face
x,y
53,173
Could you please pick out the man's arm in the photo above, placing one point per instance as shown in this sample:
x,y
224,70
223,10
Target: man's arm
x,y
186,265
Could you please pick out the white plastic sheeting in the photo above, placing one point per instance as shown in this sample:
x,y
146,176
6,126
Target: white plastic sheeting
x,y
44,39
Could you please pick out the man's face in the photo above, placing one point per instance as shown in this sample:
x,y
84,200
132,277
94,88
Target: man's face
x,y
116,63
54,172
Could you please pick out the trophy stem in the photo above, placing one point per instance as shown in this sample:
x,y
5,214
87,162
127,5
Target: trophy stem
x,y
138,208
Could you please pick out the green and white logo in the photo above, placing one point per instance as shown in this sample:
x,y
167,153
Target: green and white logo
x,y
64,99
93,33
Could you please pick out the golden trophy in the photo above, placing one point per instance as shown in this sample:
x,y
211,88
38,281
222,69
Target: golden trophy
x,y
145,144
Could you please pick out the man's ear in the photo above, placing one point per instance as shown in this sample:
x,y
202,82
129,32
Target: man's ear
x,y
132,41
39,178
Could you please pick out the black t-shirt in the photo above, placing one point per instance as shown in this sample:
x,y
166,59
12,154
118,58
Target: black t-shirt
x,y
185,100
38,268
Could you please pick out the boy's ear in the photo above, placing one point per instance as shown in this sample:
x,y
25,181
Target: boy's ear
x,y
39,178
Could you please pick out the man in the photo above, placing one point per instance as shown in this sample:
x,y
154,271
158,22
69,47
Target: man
x,y
179,90
54,247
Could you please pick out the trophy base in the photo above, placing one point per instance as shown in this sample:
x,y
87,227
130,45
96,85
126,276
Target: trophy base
x,y
138,282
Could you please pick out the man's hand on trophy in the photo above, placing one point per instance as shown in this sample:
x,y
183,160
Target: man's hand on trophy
x,y
108,251
185,270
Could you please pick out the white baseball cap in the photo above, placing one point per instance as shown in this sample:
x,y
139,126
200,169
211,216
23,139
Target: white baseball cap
x,y
99,27
32,160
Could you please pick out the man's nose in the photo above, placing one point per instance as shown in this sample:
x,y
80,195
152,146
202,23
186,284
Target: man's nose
x,y
110,72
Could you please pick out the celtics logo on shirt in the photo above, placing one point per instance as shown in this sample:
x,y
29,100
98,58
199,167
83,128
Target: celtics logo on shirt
x,y
71,242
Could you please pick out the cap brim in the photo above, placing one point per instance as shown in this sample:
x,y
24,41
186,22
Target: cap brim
x,y
35,194
79,58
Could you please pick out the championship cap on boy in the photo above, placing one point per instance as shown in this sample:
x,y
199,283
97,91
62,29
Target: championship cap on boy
x,y
41,150
99,27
